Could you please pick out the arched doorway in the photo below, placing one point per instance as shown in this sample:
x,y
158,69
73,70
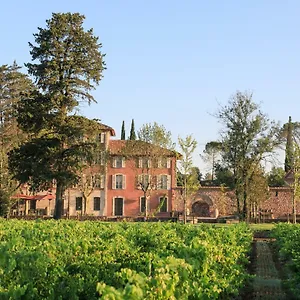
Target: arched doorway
x,y
200,209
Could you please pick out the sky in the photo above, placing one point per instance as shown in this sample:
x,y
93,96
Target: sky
x,y
177,62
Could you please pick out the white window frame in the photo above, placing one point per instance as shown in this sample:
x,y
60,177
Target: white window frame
x,y
141,163
140,180
114,181
102,137
119,159
167,202
159,182
123,206
167,165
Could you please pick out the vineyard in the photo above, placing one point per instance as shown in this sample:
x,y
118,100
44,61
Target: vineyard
x,y
92,260
288,242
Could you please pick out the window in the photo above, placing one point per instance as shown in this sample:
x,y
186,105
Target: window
x,y
98,181
101,137
100,158
163,182
78,203
118,206
276,194
97,203
119,162
164,162
163,204
144,163
118,182
142,204
143,181
32,204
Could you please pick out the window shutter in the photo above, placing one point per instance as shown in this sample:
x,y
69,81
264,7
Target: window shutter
x,y
168,162
101,158
137,180
158,182
102,178
124,182
140,162
169,182
102,137
114,162
123,162
113,182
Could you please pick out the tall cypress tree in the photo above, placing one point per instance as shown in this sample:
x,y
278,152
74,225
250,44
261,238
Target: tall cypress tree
x,y
289,151
123,131
132,131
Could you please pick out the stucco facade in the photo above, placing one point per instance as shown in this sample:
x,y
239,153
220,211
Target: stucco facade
x,y
115,191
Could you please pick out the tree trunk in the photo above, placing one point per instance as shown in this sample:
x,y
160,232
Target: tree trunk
x,y
146,204
184,210
237,195
84,203
185,201
59,201
245,205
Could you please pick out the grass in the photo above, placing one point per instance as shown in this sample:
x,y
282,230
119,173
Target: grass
x,y
254,227
262,226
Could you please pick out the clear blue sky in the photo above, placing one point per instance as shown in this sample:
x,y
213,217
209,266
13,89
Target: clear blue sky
x,y
173,61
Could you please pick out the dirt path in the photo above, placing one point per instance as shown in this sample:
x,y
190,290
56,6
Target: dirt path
x,y
267,282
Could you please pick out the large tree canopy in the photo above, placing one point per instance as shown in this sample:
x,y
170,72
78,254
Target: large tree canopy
x,y
67,64
248,138
13,84
157,135
211,155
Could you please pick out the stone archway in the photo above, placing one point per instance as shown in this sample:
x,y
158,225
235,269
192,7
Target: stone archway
x,y
200,209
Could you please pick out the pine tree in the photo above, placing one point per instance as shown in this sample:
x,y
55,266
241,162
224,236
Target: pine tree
x,y
13,84
289,152
132,131
123,131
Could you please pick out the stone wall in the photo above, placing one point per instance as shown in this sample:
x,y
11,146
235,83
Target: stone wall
x,y
217,201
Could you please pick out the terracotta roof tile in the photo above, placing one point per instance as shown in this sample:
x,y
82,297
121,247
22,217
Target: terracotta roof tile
x,y
107,128
138,148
